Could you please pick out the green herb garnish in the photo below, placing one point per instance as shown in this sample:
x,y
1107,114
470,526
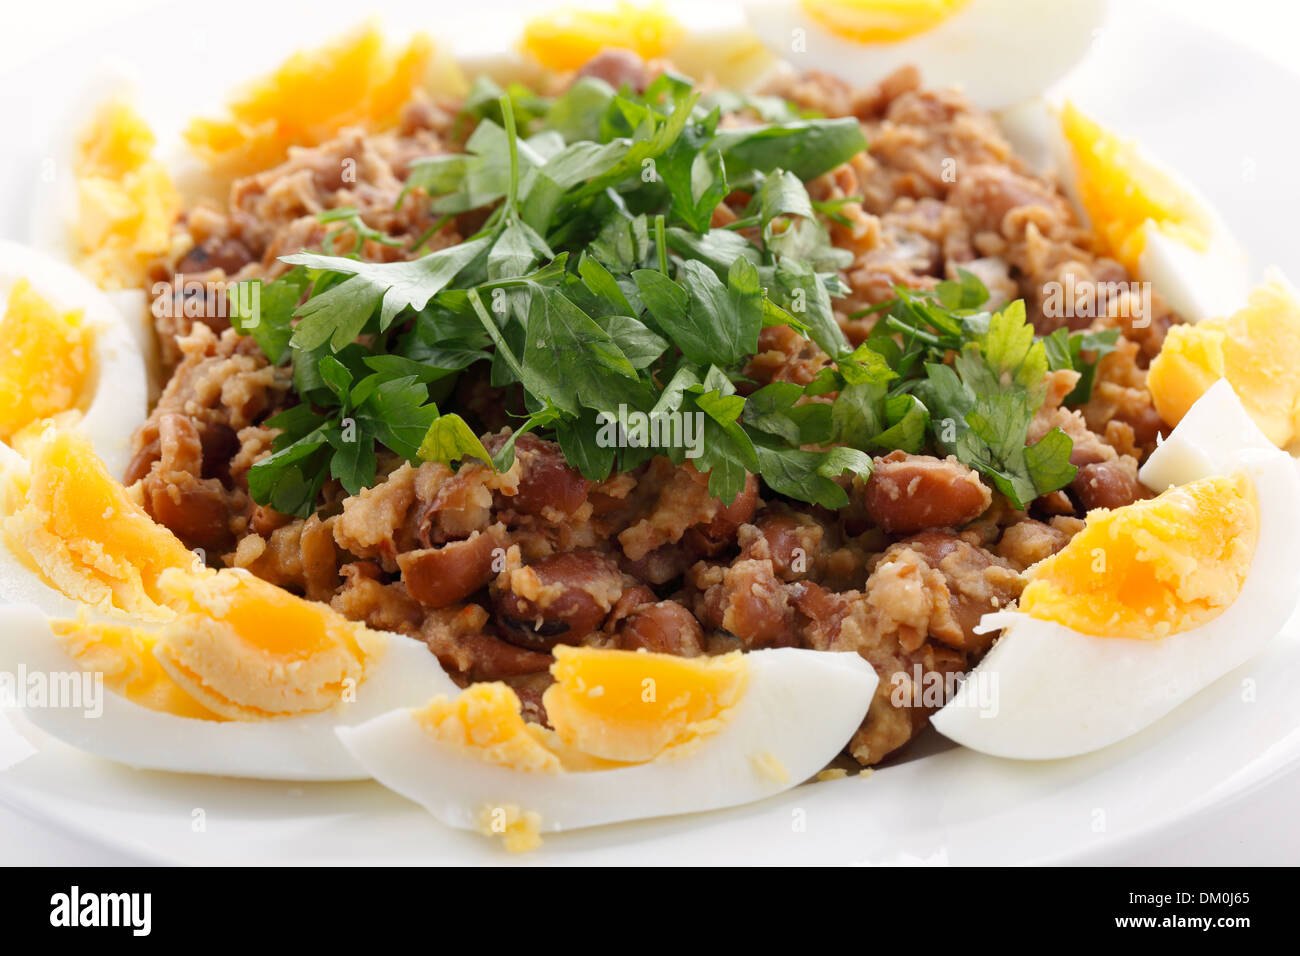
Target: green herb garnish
x,y
599,284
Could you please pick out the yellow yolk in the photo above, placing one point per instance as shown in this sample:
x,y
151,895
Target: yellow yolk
x,y
353,81
485,720
1121,192
1152,568
1254,349
81,531
248,650
632,707
45,360
520,830
124,655
567,39
880,21
127,203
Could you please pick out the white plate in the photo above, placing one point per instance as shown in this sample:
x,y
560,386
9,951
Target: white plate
x,y
1194,100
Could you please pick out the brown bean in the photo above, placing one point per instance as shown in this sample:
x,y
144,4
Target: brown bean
x,y
143,460
977,583
566,597
441,576
1106,484
194,509
220,444
547,481
494,658
732,516
664,563
228,255
751,603
320,566
716,536
264,519
618,68
664,628
820,614
791,542
909,493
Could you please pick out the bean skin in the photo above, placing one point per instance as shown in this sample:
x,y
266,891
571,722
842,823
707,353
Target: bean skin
x,y
442,576
1106,484
909,493
574,593
664,627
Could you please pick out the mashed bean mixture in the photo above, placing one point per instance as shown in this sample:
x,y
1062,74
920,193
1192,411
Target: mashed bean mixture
x,y
492,570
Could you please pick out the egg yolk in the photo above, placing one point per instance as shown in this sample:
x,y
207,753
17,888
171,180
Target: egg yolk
x,y
633,707
45,360
1254,349
520,830
238,649
1152,568
247,650
124,656
83,533
127,203
1122,192
485,720
880,21
353,81
567,39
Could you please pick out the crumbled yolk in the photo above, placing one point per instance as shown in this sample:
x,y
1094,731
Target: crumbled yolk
x,y
880,21
520,830
124,655
45,360
1254,349
353,81
239,649
247,650
83,533
632,707
1121,192
127,203
1152,568
485,720
567,39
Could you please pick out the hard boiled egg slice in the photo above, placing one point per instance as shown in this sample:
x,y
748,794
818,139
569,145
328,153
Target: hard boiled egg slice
x,y
635,735
67,355
354,80
111,205
704,41
1149,603
247,680
72,537
999,51
1254,348
1144,215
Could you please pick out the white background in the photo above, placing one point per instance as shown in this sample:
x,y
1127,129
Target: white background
x,y
1259,828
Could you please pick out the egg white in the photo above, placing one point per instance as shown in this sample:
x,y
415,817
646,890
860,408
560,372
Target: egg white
x,y
998,51
1046,691
799,709
286,748
1196,284
119,403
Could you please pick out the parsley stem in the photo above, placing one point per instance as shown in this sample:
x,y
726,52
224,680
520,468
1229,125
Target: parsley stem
x,y
661,247
508,120
494,332
914,332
